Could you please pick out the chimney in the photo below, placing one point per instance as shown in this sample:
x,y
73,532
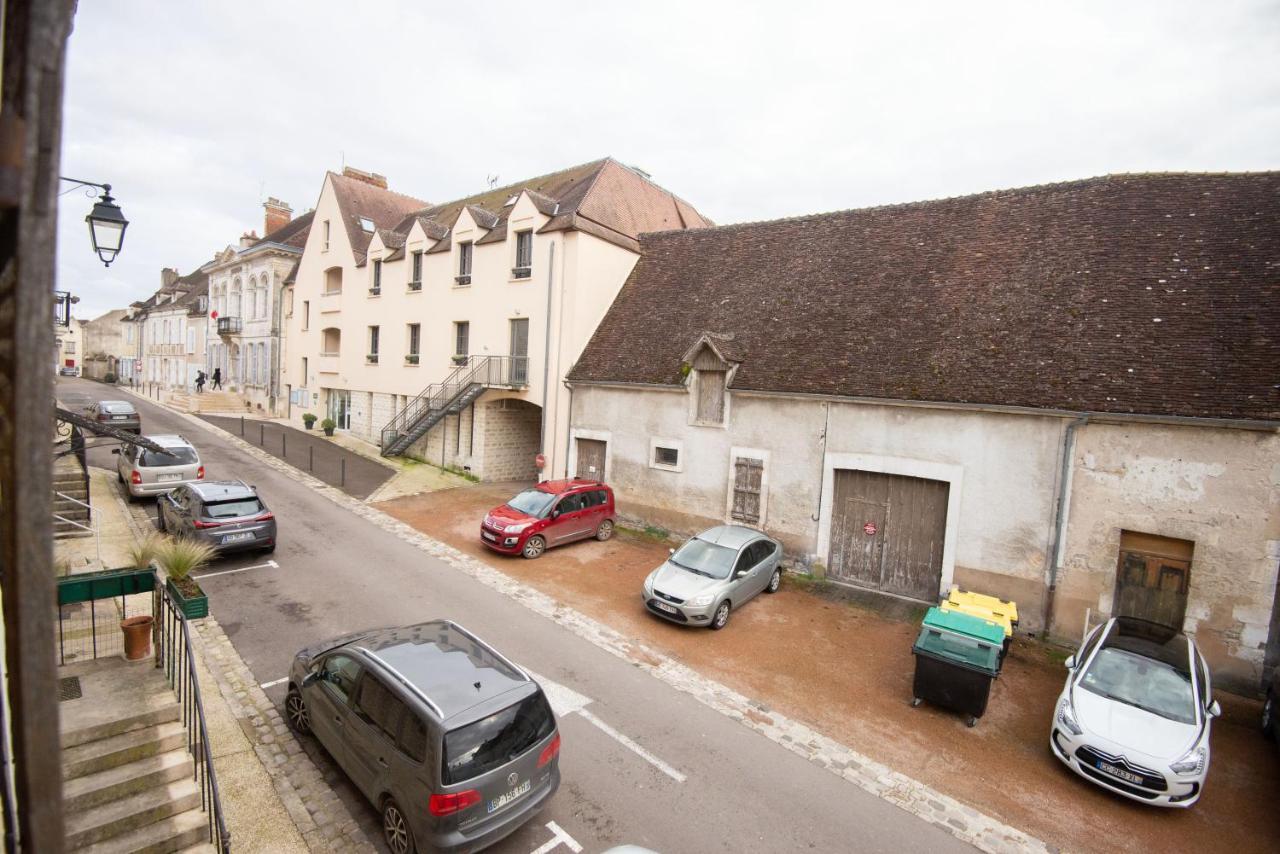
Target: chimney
x,y
248,239
379,181
279,214
168,276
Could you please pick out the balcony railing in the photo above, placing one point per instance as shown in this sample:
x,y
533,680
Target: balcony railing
x,y
229,325
486,371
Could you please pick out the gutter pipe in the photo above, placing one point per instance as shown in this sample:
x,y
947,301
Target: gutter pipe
x,y
1060,514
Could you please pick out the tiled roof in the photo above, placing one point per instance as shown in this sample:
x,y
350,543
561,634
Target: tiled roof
x,y
603,197
293,233
1152,293
358,199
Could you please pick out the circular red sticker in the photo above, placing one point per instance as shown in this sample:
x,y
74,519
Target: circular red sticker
x,y
869,529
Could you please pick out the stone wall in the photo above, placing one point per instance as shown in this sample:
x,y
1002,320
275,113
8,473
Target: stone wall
x,y
507,432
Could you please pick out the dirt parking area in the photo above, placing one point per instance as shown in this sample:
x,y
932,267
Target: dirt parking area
x,y
842,664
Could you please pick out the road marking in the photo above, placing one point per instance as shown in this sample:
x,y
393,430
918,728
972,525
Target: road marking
x,y
271,564
273,683
566,701
559,837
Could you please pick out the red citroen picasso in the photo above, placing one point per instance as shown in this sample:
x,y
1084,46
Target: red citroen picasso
x,y
552,513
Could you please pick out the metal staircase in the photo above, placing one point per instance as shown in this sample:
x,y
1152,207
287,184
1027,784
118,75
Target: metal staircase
x,y
455,393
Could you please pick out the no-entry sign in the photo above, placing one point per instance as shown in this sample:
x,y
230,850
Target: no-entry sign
x,y
869,529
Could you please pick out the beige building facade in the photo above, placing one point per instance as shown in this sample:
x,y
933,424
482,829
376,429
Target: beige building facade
x,y
172,324
106,344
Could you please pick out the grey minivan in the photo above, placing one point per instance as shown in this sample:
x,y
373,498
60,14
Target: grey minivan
x,y
713,573
146,473
456,746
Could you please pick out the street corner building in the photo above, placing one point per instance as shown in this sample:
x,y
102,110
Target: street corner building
x,y
444,331
1067,395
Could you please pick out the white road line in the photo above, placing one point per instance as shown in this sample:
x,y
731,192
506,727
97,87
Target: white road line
x,y
632,746
271,564
559,837
273,683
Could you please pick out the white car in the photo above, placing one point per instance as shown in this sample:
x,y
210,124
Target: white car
x,y
1134,715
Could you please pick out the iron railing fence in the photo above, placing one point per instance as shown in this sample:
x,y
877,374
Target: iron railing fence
x,y
174,654
91,606
488,371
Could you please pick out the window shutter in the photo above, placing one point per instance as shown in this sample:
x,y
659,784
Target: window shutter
x,y
747,476
711,396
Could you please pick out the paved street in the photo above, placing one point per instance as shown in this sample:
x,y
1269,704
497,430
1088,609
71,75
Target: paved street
x,y
642,762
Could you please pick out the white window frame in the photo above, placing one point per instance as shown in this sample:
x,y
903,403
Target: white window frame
x,y
656,442
735,454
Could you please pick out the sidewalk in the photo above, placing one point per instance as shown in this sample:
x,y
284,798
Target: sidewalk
x,y
111,518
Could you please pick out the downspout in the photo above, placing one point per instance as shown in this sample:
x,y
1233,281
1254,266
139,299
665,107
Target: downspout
x,y
546,353
1060,514
568,430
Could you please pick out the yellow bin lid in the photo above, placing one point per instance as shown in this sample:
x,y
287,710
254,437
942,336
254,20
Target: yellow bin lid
x,y
981,613
981,600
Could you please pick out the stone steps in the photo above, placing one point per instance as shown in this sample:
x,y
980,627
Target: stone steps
x,y
102,787
122,749
162,818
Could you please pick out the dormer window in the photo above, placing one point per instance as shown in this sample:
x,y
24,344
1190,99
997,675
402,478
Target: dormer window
x,y
464,263
710,397
377,277
415,280
524,255
366,224
326,236
708,372
511,200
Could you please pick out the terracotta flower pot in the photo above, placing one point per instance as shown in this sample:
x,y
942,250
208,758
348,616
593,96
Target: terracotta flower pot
x,y
137,637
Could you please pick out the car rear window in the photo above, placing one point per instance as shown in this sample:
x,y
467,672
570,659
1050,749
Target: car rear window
x,y
230,509
171,457
119,408
492,742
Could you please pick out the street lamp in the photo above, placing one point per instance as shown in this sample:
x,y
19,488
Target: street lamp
x,y
106,222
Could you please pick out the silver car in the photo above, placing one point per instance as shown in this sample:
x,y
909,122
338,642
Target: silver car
x,y
227,514
148,473
713,573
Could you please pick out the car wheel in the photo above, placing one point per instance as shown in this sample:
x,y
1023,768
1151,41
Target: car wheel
x,y
721,617
1269,716
295,712
605,531
534,547
160,523
775,581
395,829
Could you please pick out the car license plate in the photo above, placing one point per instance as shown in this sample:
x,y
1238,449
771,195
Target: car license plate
x,y
490,537
167,477
502,800
237,538
663,606
1116,771
119,417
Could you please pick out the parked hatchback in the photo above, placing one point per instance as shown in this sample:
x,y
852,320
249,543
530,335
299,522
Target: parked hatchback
x,y
550,514
145,472
456,746
713,573
227,514
1134,715
120,414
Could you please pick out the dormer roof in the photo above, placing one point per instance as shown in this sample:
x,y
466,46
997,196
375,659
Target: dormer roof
x,y
358,200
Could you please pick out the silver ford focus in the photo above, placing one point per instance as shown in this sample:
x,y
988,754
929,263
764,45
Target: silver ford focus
x,y
713,573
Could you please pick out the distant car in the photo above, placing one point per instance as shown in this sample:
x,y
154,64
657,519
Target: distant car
x,y
1135,714
1271,708
550,514
227,514
145,473
120,414
456,746
68,371
713,573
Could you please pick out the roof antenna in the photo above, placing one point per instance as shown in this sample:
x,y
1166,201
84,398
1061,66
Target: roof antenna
x,y
492,181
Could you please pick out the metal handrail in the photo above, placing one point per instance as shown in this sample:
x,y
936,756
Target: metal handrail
x,y
512,371
175,655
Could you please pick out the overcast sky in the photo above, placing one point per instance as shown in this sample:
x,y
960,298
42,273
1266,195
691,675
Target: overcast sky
x,y
196,112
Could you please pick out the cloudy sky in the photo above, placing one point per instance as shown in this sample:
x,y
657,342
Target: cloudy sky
x,y
197,111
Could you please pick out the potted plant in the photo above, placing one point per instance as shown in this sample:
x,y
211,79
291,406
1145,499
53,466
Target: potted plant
x,y
459,360
110,378
179,557
308,420
328,425
144,552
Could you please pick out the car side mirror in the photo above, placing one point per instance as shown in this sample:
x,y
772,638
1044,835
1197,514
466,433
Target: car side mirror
x,y
311,678
738,573
1214,710
1070,663
671,551
555,514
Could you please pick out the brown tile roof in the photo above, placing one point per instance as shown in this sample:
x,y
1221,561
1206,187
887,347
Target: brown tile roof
x,y
358,199
1153,293
293,233
603,197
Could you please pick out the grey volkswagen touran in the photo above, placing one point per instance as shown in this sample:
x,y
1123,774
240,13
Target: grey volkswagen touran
x,y
456,746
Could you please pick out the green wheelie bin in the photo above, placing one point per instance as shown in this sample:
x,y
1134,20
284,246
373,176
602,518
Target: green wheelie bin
x,y
957,658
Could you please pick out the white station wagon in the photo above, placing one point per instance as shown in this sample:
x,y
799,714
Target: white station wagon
x,y
1134,715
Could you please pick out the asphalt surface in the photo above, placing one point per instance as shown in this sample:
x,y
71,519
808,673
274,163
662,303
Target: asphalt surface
x,y
338,573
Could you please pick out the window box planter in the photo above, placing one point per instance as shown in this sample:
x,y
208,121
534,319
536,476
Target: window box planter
x,y
191,600
411,359
521,272
460,360
415,286
371,359
461,281
373,292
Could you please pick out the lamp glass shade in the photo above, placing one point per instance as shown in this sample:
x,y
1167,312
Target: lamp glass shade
x,y
106,229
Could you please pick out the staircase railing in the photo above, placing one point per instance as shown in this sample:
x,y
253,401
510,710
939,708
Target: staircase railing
x,y
488,371
175,655
91,527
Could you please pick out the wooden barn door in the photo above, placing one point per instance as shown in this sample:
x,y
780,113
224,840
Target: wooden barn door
x,y
590,459
1152,578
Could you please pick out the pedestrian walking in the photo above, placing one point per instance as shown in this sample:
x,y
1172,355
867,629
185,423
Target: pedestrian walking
x,y
217,378
199,381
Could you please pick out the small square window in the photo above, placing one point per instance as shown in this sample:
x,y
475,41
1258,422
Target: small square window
x,y
366,223
666,456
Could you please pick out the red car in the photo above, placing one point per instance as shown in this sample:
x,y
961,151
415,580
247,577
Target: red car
x,y
552,513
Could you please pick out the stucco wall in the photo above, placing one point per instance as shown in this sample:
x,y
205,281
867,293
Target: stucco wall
x,y
509,428
1219,489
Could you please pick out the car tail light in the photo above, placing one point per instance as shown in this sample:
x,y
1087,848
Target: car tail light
x,y
265,517
135,477
551,751
103,417
200,523
200,473
454,802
